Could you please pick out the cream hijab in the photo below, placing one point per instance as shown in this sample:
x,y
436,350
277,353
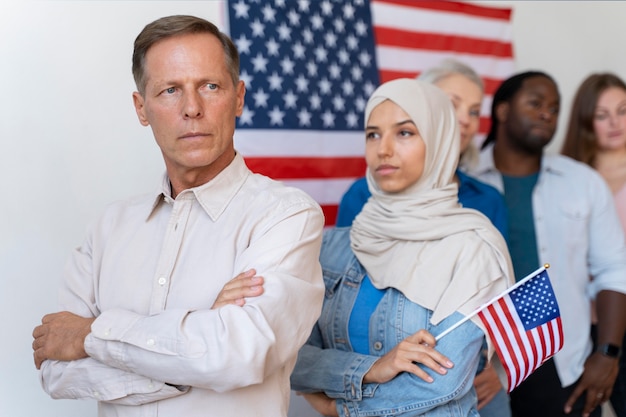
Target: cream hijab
x,y
420,241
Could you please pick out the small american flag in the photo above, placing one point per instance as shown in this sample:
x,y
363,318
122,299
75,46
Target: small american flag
x,y
524,324
311,65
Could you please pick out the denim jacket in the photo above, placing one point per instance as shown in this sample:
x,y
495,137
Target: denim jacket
x,y
327,362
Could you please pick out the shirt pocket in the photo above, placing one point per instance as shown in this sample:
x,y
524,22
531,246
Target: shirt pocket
x,y
574,217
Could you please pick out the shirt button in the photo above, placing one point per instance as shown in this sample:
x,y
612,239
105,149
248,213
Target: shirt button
x,y
162,281
378,345
107,332
150,342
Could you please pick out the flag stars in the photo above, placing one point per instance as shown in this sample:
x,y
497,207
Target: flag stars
x,y
243,44
365,58
269,14
258,28
310,61
325,86
360,103
315,102
352,42
275,81
328,118
338,103
343,56
246,78
357,73
284,32
241,9
330,39
352,119
260,63
290,99
340,26
360,28
327,8
260,98
347,87
334,71
304,117
348,11
273,47
317,22
320,54
303,5
298,50
246,117
307,36
311,68
287,65
276,116
294,18
302,84
368,88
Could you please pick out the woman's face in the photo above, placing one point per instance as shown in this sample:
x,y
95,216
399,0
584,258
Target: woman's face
x,y
466,97
609,120
394,150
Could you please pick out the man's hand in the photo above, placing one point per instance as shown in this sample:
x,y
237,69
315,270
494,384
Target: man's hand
x,y
237,289
487,385
323,404
417,348
61,336
597,380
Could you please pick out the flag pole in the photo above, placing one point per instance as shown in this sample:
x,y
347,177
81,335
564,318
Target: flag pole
x,y
508,290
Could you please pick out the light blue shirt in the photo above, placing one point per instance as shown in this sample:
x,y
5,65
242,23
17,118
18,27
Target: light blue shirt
x,y
580,236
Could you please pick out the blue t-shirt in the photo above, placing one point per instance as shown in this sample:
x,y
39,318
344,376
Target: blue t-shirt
x,y
522,241
366,302
473,194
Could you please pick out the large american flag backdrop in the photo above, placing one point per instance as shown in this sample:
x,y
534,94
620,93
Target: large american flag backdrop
x,y
310,66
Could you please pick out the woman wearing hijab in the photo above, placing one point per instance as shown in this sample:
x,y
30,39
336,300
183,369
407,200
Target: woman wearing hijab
x,y
413,264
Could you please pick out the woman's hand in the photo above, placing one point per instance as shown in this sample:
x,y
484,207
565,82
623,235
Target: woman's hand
x,y
417,348
323,404
237,289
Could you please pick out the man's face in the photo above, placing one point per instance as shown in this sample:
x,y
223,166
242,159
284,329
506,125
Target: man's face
x,y
530,118
191,105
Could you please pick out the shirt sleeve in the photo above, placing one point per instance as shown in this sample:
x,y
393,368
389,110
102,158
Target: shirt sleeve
x,y
352,203
220,349
408,395
339,374
89,378
607,250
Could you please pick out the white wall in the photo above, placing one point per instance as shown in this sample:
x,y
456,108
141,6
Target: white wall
x,y
70,141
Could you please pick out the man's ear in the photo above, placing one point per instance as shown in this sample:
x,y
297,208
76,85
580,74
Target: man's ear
x,y
502,112
140,109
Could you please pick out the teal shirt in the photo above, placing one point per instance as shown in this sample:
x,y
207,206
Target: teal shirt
x,y
522,241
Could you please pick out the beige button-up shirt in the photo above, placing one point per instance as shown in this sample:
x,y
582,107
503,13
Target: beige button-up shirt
x,y
150,270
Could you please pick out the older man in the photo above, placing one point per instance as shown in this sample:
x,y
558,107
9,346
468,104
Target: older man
x,y
152,324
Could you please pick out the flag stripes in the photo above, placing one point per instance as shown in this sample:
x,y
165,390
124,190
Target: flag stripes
x,y
521,347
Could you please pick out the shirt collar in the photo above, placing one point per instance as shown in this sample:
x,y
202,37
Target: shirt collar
x,y
549,164
214,196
